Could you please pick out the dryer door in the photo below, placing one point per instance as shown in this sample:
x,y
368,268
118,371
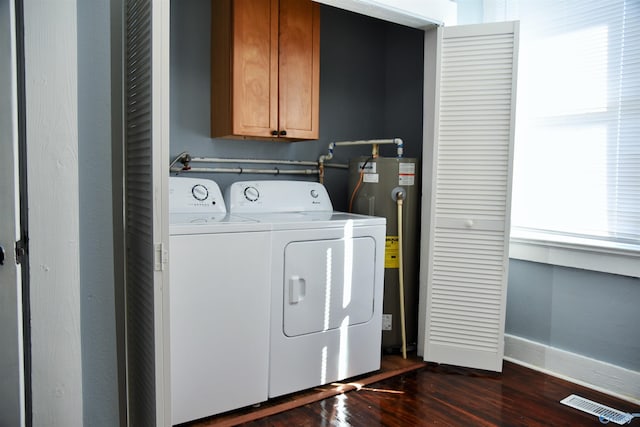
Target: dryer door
x,y
328,284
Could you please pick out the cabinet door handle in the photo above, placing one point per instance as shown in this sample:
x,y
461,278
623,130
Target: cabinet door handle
x,y
283,133
274,132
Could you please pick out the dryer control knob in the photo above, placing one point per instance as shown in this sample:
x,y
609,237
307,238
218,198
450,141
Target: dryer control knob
x,y
251,194
200,192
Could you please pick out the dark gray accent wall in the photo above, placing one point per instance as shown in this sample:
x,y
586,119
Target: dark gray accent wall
x,y
585,312
404,63
371,77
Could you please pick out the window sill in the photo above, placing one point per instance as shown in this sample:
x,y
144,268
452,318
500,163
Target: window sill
x,y
576,253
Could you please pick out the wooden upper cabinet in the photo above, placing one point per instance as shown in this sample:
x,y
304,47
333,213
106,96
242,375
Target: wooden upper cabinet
x,y
265,69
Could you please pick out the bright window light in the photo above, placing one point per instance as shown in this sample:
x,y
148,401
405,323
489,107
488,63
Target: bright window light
x,y
577,140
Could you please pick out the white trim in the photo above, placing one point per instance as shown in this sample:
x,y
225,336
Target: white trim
x,y
12,369
601,376
577,253
161,119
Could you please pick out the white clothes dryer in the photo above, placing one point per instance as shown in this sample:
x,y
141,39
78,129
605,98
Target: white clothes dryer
x,y
327,273
219,311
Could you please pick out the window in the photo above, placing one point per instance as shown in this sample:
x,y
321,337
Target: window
x,y
576,180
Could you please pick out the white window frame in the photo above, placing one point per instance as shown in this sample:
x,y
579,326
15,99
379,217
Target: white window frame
x,y
566,251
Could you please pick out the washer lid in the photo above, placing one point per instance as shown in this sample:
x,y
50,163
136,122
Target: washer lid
x,y
302,220
193,223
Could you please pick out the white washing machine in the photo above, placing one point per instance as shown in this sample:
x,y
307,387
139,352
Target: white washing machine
x,y
326,283
219,310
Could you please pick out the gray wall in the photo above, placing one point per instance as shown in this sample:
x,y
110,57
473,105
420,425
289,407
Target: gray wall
x,y
370,87
97,306
585,312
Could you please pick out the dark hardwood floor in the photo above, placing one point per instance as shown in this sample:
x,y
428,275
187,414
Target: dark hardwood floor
x,y
427,394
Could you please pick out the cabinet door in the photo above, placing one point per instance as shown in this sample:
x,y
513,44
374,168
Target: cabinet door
x,y
255,67
299,69
466,258
265,69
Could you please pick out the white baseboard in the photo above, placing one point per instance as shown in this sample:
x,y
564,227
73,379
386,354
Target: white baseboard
x,y
601,376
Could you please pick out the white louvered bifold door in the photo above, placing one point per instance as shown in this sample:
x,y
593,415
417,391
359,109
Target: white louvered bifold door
x,y
146,210
470,196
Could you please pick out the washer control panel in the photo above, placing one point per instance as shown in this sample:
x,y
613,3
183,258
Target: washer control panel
x,y
190,195
277,196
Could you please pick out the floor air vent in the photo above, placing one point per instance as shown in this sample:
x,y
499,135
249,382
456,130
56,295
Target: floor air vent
x,y
604,413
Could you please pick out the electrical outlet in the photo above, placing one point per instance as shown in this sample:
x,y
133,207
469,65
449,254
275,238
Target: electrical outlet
x,y
387,321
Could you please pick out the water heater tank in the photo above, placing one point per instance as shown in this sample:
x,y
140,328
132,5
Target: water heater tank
x,y
372,186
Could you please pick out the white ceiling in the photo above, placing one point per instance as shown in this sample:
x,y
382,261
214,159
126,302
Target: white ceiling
x,y
412,13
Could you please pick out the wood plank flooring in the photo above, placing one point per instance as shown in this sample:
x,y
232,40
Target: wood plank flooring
x,y
413,393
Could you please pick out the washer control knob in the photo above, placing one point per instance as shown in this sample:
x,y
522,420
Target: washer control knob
x,y
251,194
314,194
200,192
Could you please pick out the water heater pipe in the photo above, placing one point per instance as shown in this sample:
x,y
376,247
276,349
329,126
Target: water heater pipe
x,y
256,161
400,146
399,199
186,159
375,142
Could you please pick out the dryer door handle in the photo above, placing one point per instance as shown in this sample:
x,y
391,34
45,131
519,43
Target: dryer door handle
x,y
297,289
